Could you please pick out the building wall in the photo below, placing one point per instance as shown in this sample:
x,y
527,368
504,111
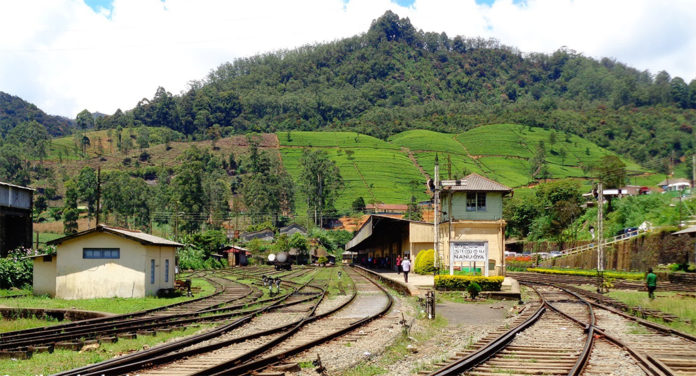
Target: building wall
x,y
44,280
126,277
159,255
489,231
494,207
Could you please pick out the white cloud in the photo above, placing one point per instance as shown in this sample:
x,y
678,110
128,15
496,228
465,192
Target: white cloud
x,y
63,56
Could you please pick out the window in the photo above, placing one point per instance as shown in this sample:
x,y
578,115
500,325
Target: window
x,y
152,272
166,270
481,201
475,201
471,201
101,253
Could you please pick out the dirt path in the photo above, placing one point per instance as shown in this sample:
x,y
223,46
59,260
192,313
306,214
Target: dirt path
x,y
369,189
415,161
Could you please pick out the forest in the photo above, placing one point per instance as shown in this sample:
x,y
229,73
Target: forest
x,y
379,84
394,78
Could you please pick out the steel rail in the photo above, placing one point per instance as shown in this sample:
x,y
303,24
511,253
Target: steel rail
x,y
649,364
589,328
229,368
486,352
92,330
650,324
99,368
99,320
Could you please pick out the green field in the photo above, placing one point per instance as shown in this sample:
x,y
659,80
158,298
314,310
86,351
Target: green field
x,y
381,171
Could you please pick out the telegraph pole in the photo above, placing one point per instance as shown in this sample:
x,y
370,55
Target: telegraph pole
x,y
436,214
600,237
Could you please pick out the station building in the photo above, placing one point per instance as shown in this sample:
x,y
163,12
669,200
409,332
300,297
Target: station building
x,y
471,230
106,262
384,237
15,217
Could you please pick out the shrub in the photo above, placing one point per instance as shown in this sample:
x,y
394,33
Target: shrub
x,y
16,271
461,282
322,260
473,289
424,263
590,273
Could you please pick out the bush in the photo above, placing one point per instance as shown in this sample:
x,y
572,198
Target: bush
x,y
591,273
461,282
15,271
322,260
425,262
473,289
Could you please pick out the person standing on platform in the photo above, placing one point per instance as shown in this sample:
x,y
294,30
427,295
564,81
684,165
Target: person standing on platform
x,y
398,264
406,267
651,283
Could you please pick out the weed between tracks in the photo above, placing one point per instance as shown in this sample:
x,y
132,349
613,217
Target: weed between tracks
x,y
111,305
678,304
60,360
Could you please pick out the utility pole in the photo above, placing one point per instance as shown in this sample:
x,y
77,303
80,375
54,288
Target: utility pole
x,y
600,237
436,214
98,194
693,174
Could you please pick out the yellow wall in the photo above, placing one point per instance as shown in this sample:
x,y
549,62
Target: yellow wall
x,y
128,276
489,231
44,276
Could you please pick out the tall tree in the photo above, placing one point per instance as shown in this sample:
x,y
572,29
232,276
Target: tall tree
x,y
87,189
321,182
84,120
70,213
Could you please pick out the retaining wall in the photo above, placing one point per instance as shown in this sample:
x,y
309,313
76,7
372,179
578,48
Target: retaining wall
x,y
636,254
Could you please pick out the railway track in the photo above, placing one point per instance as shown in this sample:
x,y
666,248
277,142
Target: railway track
x,y
230,300
172,350
577,337
266,340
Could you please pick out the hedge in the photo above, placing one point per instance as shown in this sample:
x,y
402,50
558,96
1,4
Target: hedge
x,y
425,262
461,282
590,273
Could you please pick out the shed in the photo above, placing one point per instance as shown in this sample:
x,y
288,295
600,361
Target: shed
x,y
15,217
106,262
266,235
236,255
293,229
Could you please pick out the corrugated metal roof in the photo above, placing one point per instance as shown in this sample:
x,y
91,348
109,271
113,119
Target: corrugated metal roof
x,y
687,230
475,182
16,186
131,234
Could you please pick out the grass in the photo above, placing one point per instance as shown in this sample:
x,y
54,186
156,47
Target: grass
x,y
27,323
423,140
332,139
111,305
399,349
669,302
384,175
60,360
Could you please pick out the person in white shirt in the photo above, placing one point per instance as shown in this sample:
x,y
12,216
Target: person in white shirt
x,y
406,267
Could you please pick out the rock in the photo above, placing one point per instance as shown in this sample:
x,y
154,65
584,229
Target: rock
x,y
89,347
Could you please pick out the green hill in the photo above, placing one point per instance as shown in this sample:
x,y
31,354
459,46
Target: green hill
x,y
391,171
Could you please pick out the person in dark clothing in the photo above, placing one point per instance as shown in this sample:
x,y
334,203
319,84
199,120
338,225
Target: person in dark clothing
x,y
651,283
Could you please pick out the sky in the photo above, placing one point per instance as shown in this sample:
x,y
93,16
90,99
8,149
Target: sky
x,y
101,55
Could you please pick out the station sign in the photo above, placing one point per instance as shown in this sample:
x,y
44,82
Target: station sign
x,y
469,251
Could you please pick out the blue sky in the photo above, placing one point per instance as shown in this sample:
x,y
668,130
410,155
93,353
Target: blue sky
x,y
101,55
97,4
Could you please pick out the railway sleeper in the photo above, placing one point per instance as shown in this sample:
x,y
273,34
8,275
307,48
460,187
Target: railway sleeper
x,y
23,354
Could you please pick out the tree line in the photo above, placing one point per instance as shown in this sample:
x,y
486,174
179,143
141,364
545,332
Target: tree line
x,y
394,78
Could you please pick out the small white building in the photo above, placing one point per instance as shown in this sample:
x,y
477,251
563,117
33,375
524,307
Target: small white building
x,y
106,262
675,184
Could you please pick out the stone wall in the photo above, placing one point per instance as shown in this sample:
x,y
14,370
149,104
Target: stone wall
x,y
636,254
